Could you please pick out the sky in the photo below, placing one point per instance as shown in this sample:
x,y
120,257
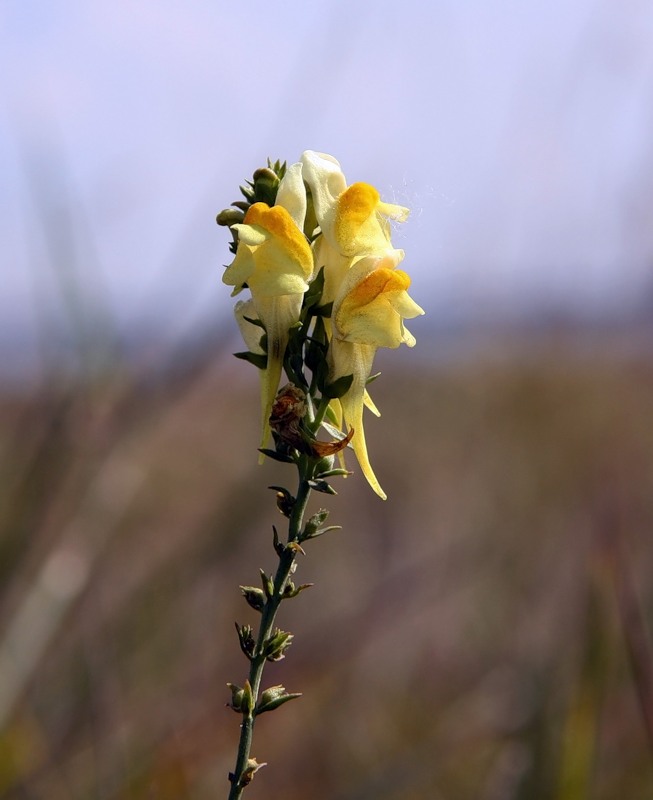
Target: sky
x,y
520,134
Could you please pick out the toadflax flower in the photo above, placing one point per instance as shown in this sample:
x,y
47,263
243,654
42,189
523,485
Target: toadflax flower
x,y
353,220
274,260
368,313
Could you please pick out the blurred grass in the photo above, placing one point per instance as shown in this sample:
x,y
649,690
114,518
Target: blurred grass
x,y
463,640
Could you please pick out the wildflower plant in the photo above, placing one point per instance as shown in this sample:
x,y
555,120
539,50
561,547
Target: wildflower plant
x,y
325,291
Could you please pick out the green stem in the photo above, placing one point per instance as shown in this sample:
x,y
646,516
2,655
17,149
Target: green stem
x,y
320,414
268,615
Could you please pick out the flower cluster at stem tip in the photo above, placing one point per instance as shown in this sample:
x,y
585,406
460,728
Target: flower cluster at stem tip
x,y
326,288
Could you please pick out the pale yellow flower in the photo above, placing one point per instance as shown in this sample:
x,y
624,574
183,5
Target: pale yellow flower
x,y
275,261
368,313
353,219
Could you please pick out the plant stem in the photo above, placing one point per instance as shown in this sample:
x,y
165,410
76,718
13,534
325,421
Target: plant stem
x,y
268,615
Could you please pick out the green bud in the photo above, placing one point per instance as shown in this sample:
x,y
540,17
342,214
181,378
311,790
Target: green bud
x,y
248,773
229,217
314,523
255,597
277,644
292,591
266,183
274,697
236,697
265,175
246,640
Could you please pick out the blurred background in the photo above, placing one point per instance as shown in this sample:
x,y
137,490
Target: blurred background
x,y
485,633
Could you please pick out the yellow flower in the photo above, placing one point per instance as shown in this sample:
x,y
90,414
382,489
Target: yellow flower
x,y
368,313
353,219
275,261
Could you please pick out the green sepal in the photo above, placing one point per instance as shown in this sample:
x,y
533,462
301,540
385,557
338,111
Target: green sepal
x,y
274,697
259,360
254,596
247,192
372,378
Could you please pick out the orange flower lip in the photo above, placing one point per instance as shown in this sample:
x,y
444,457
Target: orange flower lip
x,y
355,205
380,281
278,222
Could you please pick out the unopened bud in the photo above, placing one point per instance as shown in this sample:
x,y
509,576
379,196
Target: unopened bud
x,y
274,697
277,644
229,217
255,597
236,697
266,183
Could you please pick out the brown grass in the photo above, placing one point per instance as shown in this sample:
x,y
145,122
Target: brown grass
x,y
463,640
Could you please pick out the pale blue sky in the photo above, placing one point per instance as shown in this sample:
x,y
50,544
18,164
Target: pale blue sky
x,y
520,133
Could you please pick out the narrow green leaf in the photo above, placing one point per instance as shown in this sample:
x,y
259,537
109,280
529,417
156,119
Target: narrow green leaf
x,y
273,454
259,360
319,485
338,388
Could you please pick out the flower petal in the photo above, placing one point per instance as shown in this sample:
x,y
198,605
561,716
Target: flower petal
x,y
291,194
273,256
278,314
355,359
251,333
357,228
373,302
326,181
